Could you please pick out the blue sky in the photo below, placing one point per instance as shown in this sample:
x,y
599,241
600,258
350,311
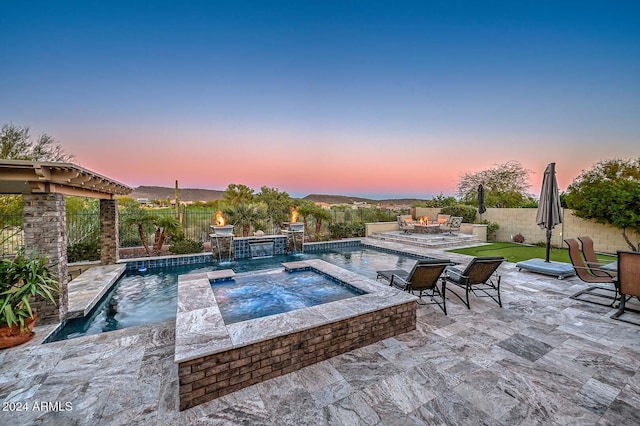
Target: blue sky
x,y
381,99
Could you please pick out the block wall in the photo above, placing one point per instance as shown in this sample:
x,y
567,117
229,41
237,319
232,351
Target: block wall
x,y
606,238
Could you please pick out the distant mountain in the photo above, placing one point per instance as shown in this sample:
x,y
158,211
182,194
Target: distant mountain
x,y
346,199
185,194
336,199
190,194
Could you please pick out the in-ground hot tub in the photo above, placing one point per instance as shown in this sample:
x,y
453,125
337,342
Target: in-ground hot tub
x,y
216,358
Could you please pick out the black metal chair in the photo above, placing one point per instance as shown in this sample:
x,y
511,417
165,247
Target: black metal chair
x,y
479,275
627,282
423,277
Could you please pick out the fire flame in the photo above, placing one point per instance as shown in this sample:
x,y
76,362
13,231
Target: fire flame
x,y
220,219
424,220
294,215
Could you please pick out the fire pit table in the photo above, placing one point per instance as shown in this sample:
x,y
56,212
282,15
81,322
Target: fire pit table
x,y
432,228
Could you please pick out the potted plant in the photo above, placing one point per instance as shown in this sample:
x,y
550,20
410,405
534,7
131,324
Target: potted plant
x,y
21,279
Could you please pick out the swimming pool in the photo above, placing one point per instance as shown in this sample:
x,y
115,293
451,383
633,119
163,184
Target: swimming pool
x,y
145,298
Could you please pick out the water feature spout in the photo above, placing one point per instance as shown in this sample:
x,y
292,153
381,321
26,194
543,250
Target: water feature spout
x,y
219,233
261,248
296,229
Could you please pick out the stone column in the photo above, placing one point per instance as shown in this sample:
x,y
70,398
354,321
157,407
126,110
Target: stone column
x,y
45,230
109,238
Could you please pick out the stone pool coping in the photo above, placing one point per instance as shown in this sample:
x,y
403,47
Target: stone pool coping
x,y
86,290
201,331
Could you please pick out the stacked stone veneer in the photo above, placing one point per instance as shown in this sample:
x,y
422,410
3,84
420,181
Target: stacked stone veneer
x,y
212,376
45,232
295,241
215,359
109,235
222,247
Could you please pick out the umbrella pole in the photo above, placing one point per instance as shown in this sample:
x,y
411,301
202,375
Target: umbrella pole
x,y
552,175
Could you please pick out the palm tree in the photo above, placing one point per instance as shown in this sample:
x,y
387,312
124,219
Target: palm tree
x,y
165,226
320,214
245,215
306,209
138,217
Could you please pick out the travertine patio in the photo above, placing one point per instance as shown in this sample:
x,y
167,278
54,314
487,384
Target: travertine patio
x,y
541,359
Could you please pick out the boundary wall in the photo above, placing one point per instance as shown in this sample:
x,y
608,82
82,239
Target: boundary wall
x,y
606,238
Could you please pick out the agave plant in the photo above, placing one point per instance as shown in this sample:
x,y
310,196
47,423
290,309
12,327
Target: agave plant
x,y
21,279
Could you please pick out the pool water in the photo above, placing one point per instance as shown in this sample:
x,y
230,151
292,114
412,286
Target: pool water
x,y
149,297
261,294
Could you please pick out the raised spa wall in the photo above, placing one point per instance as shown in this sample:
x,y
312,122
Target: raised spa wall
x,y
215,359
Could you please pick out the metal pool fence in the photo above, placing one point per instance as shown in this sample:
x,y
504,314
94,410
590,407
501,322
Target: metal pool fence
x,y
85,227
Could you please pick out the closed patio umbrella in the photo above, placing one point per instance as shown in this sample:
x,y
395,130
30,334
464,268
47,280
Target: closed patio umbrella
x,y
549,209
481,207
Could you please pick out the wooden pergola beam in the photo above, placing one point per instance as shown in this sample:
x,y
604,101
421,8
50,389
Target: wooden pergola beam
x,y
30,177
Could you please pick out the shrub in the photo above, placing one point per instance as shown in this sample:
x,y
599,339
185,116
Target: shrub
x,y
86,250
468,213
518,238
492,228
130,242
358,229
339,230
346,230
185,246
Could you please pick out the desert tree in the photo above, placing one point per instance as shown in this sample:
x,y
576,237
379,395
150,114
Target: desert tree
x,y
278,204
17,144
237,194
609,193
505,185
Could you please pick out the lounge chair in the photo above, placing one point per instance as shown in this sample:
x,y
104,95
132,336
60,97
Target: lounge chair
x,y
479,275
453,224
405,222
423,277
591,260
587,275
627,282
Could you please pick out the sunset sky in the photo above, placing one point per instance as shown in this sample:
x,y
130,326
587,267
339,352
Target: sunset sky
x,y
376,99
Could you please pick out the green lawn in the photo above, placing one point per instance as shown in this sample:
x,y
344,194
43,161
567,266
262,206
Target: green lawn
x,y
516,252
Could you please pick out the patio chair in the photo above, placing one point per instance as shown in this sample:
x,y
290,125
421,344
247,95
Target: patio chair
x,y
442,218
586,274
453,224
406,223
627,282
479,275
423,277
591,260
